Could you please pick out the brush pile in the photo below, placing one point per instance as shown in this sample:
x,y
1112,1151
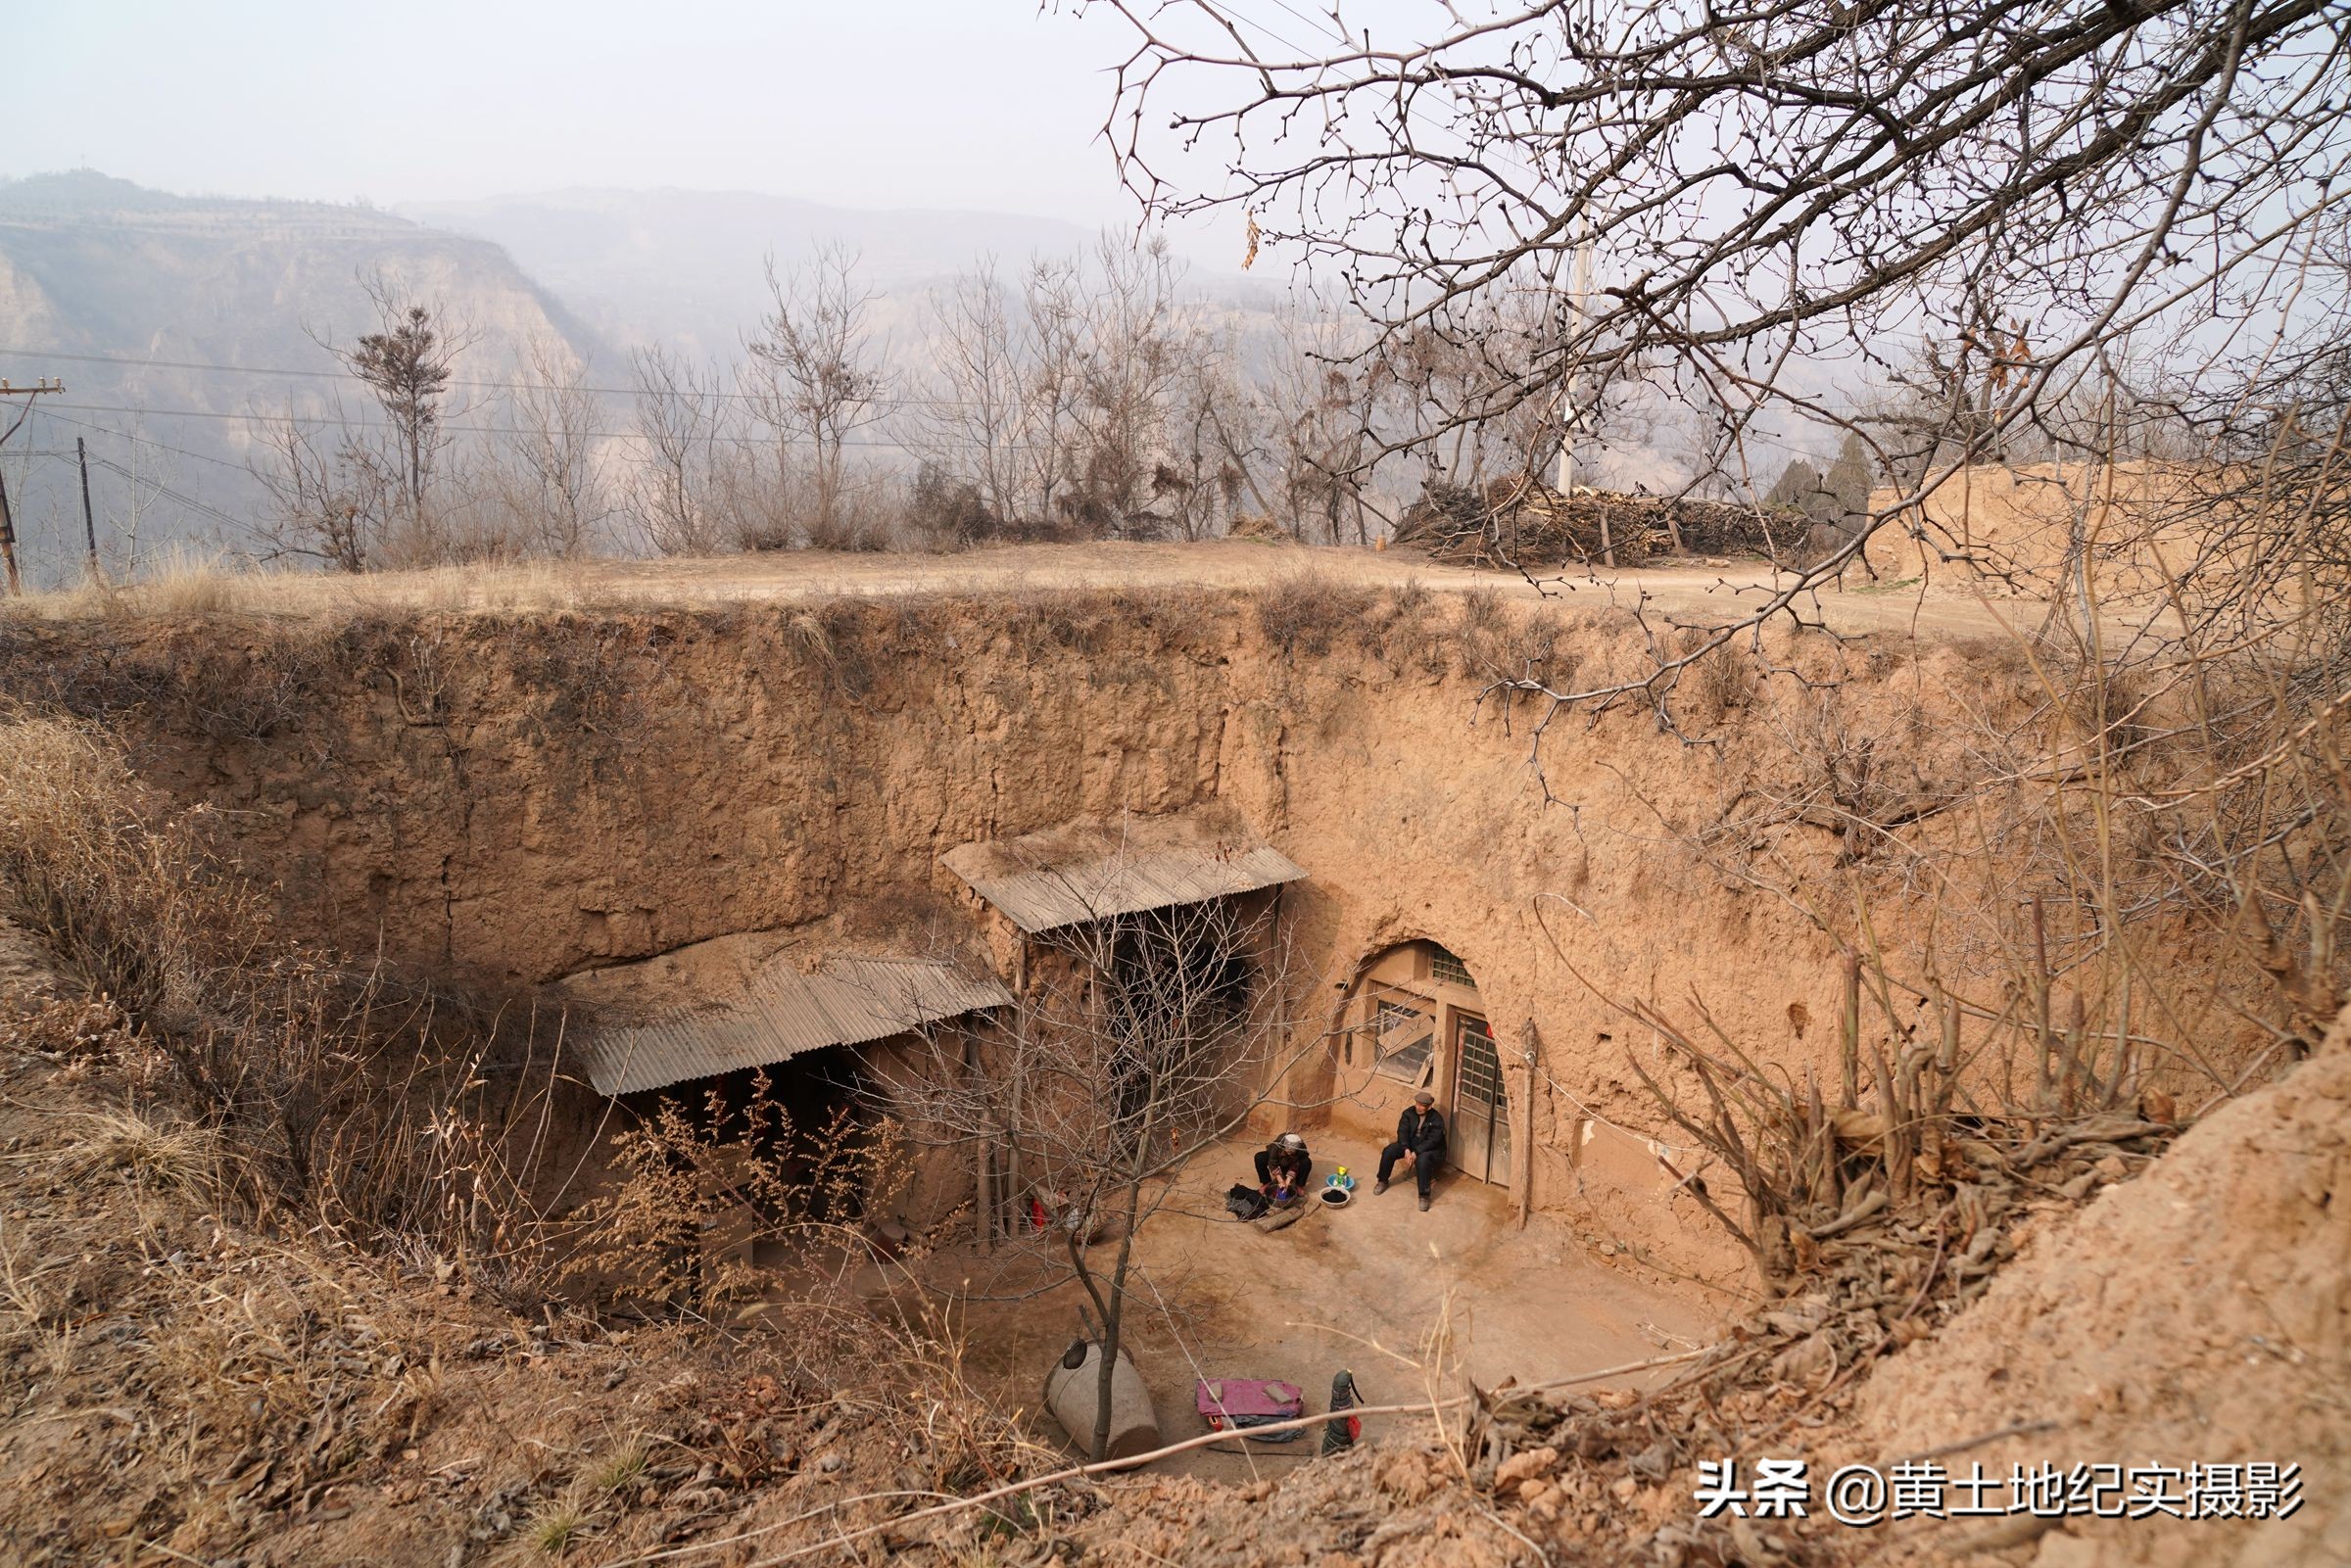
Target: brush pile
x,y
1875,1215
1515,522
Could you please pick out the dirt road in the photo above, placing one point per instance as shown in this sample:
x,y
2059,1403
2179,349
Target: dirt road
x,y
1690,592
1686,590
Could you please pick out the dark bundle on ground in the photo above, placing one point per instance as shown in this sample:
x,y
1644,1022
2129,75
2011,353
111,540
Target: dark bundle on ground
x,y
1517,522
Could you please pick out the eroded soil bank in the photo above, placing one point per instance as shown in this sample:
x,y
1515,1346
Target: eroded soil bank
x,y
513,798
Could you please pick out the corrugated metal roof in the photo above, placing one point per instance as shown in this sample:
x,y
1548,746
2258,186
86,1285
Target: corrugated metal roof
x,y
1049,881
783,1012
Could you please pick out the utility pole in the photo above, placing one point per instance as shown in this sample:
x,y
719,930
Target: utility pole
x,y
90,523
1580,290
7,522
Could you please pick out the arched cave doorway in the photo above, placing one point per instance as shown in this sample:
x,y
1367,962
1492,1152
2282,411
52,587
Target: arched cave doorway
x,y
1416,1021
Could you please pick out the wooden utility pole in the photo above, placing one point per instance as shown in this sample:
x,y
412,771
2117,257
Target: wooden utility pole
x,y
7,522
90,523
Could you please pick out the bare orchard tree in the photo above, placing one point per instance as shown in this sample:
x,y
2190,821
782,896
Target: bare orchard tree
x,y
549,478
684,443
1323,405
975,426
2032,188
1444,379
1137,341
1053,336
1200,477
1142,1040
817,343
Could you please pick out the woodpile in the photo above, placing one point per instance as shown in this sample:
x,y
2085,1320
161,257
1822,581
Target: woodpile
x,y
1516,521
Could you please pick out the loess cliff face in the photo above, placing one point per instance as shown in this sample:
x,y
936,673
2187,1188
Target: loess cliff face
x,y
518,799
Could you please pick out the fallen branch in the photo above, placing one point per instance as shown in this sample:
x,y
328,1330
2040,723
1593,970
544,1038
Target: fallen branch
x,y
1105,1466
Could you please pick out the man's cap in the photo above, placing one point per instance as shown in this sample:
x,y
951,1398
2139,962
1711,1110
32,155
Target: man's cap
x,y
1424,1098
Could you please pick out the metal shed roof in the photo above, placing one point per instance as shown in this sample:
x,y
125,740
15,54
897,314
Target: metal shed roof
x,y
1047,880
783,1012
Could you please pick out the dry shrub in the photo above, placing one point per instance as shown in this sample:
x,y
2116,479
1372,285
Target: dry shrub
x,y
153,1147
1307,612
698,1193
309,1090
1717,684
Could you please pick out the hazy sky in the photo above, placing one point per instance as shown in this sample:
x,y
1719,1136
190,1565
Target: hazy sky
x,y
981,104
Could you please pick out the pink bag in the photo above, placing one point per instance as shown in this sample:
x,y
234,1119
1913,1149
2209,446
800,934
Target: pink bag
x,y
1245,1401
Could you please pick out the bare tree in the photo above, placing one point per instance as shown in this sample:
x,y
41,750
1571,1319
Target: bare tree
x,y
405,365
1203,475
552,483
1054,336
975,426
681,427
355,493
1323,407
1136,343
827,382
332,497
2032,188
1141,1041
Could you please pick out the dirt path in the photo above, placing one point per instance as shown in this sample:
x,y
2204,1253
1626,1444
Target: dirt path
x,y
1691,590
1694,591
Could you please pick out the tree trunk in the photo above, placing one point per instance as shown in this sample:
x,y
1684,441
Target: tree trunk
x,y
1114,1314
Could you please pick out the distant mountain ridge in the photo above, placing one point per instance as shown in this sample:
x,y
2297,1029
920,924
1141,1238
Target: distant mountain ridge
x,y
105,264
120,276
686,268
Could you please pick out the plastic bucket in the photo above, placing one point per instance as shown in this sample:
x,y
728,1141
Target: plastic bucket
x,y
1337,1196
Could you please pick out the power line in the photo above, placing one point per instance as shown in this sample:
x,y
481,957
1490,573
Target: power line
x,y
148,441
340,375
468,430
494,386
162,488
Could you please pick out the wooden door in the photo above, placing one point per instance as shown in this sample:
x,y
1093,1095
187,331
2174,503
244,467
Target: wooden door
x,y
1481,1121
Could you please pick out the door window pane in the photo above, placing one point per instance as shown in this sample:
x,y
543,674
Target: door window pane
x,y
1406,1036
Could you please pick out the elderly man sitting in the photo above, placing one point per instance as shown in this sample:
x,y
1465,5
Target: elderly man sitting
x,y
1419,1143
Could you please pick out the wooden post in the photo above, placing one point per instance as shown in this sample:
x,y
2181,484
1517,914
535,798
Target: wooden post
x,y
8,543
8,523
2043,1081
89,522
1530,1045
1849,1027
984,1205
984,1199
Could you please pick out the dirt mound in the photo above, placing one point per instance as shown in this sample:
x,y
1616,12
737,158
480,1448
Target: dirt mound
x,y
1517,522
2197,1314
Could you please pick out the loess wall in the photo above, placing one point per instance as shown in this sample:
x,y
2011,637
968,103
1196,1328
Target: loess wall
x,y
520,798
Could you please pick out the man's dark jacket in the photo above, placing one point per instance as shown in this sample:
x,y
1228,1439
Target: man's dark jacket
x,y
1422,1131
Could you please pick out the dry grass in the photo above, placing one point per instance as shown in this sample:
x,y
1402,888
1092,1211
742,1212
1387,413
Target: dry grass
x,y
192,586
270,1377
146,1146
297,1088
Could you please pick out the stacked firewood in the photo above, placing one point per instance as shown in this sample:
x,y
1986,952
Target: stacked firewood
x,y
1516,521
